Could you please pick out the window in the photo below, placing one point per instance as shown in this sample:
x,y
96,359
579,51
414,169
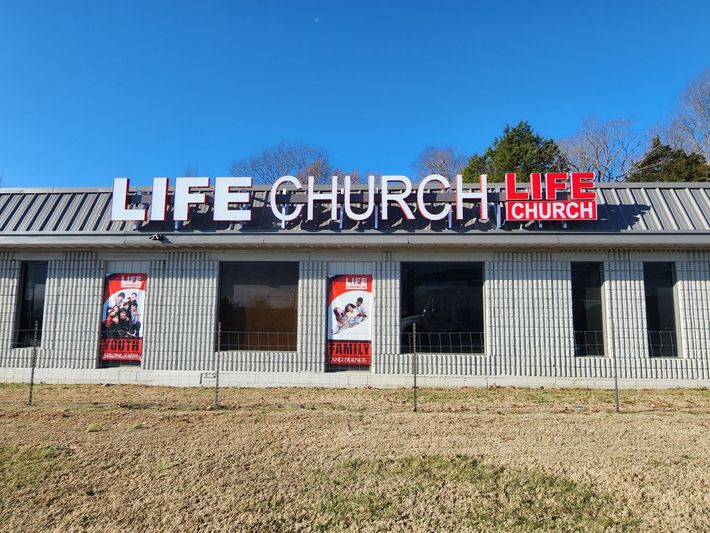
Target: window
x,y
659,282
258,306
30,303
587,314
445,301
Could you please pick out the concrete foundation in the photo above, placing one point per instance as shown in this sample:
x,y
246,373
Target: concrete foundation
x,y
182,378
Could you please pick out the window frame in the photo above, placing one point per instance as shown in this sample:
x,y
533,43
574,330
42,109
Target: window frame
x,y
602,304
484,312
676,310
222,347
28,340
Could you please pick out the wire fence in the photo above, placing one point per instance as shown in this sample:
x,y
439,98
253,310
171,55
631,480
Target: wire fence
x,y
412,355
663,343
448,342
279,341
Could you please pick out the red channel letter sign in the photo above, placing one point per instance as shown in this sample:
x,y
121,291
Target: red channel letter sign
x,y
580,202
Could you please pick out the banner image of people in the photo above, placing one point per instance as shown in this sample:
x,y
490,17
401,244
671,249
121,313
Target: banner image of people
x,y
122,317
349,320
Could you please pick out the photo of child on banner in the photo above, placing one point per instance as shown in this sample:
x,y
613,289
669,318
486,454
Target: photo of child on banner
x,y
122,317
349,320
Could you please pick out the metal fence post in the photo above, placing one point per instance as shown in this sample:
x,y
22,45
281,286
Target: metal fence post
x,y
215,405
616,386
33,362
414,363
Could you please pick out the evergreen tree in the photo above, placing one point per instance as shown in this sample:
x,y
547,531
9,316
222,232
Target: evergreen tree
x,y
665,163
519,150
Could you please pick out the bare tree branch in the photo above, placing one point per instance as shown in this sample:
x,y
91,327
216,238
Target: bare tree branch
x,y
191,171
299,160
609,149
355,176
690,128
435,160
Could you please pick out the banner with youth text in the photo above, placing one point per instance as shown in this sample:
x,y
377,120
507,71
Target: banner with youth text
x,y
122,317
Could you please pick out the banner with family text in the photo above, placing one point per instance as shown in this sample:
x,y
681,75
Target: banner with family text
x,y
349,320
121,319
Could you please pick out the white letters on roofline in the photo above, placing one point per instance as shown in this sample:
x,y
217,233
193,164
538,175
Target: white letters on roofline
x,y
462,196
186,197
352,215
119,211
400,198
232,198
224,196
332,197
159,204
421,206
281,214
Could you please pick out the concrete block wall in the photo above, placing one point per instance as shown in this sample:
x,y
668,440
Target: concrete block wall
x,y
385,326
627,343
528,315
527,301
529,323
627,334
9,278
180,312
311,317
72,311
693,294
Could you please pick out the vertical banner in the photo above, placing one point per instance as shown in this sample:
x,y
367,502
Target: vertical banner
x,y
122,317
349,320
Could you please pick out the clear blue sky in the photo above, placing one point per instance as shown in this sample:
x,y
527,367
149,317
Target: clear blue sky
x,y
92,90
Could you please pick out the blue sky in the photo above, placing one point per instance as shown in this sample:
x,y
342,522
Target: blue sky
x,y
93,90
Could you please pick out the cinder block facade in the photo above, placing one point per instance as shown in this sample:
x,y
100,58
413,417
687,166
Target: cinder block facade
x,y
528,316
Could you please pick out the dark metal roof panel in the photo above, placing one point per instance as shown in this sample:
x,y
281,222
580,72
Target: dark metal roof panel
x,y
649,216
623,208
688,201
702,203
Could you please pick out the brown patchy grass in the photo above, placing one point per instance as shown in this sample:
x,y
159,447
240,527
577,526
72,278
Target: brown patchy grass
x,y
125,458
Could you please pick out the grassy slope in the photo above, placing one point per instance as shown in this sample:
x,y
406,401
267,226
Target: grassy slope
x,y
285,459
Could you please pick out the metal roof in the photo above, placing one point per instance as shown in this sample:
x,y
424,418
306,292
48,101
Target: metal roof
x,y
630,214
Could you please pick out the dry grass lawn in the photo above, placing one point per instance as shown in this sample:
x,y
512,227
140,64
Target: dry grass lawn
x,y
138,458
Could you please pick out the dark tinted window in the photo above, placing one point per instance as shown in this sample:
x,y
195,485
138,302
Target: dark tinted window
x,y
258,306
659,280
445,301
30,308
587,316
